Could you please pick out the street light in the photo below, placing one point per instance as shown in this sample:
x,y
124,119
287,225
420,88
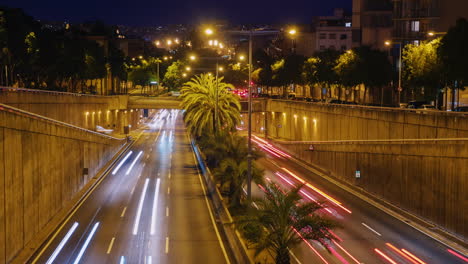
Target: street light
x,y
388,43
292,32
188,68
241,57
209,31
192,57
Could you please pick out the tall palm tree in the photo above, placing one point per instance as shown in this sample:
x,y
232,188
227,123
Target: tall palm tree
x,y
283,220
199,101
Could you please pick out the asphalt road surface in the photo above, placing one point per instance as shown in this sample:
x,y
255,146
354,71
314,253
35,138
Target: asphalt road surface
x,y
151,208
368,234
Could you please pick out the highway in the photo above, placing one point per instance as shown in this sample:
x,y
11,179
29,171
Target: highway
x,y
368,234
150,208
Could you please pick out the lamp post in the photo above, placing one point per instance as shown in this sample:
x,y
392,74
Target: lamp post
x,y
292,32
400,65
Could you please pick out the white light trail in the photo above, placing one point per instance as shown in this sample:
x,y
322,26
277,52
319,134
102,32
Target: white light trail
x,y
62,243
85,245
140,206
155,208
133,163
122,260
121,163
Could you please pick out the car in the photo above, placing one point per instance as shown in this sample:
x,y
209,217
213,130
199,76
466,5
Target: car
x,y
416,104
428,107
461,109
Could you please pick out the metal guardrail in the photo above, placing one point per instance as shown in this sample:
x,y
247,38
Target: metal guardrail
x,y
388,109
7,108
286,142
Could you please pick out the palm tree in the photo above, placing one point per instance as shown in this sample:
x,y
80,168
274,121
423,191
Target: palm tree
x,y
228,154
199,101
281,220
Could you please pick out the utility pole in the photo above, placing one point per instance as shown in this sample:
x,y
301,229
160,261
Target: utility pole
x,y
249,155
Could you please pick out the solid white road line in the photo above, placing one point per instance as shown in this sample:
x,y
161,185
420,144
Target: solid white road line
x,y
150,260
133,163
167,245
294,257
140,207
123,212
110,245
371,229
62,243
155,207
121,163
85,245
209,209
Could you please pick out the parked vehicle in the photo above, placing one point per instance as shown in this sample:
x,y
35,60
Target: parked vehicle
x,y
416,104
461,109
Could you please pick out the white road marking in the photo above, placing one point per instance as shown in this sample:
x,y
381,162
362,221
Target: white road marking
x,y
140,207
123,212
371,229
168,190
169,175
147,156
167,211
150,260
110,245
155,208
167,245
122,260
209,210
133,189
85,245
294,257
62,243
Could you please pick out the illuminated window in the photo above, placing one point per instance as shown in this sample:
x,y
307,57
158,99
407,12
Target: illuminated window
x,y
415,26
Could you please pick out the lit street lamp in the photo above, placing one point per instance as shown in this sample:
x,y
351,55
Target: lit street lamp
x,y
292,32
388,43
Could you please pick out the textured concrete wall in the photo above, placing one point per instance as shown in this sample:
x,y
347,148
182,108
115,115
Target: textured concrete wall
x,y
426,177
41,169
321,122
86,111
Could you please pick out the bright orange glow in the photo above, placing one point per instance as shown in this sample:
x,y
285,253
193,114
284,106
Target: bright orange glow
x,y
317,190
385,256
347,253
457,255
413,256
401,253
310,246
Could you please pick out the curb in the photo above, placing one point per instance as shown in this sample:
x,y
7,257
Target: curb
x,y
237,245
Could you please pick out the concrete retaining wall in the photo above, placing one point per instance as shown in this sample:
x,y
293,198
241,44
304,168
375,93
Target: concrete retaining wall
x,y
426,177
42,165
321,122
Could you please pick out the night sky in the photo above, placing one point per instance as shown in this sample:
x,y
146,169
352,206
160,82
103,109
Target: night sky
x,y
157,12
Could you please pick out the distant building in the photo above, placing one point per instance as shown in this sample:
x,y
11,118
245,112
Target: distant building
x,y
414,19
332,32
372,23
131,47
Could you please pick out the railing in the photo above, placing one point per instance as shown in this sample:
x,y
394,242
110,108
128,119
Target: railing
x,y
381,108
25,90
17,111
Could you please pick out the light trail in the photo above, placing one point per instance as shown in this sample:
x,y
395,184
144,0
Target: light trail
x,y
85,245
140,207
457,255
122,260
155,208
62,243
385,256
310,246
347,253
133,163
121,163
317,190
413,256
401,253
